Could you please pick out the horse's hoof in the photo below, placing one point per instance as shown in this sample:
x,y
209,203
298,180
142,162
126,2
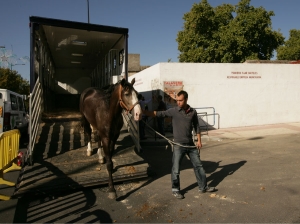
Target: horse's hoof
x,y
101,161
88,153
112,195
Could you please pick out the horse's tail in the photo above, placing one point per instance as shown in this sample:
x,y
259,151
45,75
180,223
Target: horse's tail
x,y
84,122
83,95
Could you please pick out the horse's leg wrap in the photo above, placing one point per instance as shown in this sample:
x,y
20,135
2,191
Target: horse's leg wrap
x,y
89,149
100,154
112,195
112,191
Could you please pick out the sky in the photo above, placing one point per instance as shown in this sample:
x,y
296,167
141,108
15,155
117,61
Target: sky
x,y
153,24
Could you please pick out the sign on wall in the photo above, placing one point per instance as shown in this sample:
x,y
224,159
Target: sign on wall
x,y
171,88
244,75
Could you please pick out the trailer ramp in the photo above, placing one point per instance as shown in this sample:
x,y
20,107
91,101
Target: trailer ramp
x,y
61,163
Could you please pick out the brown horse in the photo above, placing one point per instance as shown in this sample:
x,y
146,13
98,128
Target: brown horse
x,y
102,112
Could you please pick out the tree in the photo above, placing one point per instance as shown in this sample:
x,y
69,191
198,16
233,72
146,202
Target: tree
x,y
291,49
13,81
227,33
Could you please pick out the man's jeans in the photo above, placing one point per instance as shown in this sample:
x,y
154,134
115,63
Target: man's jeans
x,y
193,153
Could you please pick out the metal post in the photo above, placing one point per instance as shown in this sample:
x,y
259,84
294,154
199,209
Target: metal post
x,y
88,8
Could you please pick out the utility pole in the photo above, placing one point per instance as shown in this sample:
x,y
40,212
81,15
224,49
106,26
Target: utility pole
x,y
88,8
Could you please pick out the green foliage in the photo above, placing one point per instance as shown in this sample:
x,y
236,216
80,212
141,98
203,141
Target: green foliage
x,y
227,33
291,49
13,81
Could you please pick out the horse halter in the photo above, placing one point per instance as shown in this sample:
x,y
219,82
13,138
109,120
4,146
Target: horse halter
x,y
123,105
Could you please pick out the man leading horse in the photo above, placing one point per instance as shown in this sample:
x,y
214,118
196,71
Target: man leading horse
x,y
184,118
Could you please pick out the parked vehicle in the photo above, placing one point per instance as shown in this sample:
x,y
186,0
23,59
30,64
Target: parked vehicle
x,y
13,112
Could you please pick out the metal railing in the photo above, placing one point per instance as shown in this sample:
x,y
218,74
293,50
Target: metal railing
x,y
206,114
206,125
133,129
203,108
35,111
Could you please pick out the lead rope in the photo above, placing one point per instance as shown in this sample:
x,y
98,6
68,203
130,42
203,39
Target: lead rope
x,y
172,143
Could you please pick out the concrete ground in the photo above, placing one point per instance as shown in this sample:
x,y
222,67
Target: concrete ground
x,y
256,171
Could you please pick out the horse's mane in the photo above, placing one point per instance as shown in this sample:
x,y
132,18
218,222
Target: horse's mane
x,y
109,89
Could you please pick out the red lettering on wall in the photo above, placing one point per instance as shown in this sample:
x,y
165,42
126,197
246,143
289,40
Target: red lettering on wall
x,y
241,75
173,83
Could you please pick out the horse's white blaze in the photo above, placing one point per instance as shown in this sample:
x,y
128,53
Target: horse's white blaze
x,y
137,111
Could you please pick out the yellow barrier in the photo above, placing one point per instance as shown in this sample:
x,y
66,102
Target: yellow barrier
x,y
9,148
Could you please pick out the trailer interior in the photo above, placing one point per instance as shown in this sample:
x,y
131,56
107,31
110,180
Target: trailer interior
x,y
67,57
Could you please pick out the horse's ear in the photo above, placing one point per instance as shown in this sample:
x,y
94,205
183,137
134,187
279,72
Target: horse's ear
x,y
132,81
123,81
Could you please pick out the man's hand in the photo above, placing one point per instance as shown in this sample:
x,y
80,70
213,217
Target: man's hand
x,y
199,145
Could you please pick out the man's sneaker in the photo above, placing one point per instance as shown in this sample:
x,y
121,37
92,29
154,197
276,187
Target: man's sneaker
x,y
208,189
177,195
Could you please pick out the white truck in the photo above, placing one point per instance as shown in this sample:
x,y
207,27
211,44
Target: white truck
x,y
13,113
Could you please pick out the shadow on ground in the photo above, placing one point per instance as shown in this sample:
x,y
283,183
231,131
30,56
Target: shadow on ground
x,y
159,158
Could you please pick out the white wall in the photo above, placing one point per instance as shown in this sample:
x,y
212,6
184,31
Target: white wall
x,y
147,82
243,94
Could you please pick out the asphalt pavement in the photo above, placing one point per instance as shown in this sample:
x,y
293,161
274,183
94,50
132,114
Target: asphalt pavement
x,y
255,169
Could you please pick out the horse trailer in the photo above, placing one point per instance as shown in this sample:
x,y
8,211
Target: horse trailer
x,y
67,57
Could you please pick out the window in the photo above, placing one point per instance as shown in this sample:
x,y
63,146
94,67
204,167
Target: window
x,y
20,101
121,56
115,62
14,102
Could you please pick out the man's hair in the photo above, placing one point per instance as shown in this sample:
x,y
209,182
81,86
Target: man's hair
x,y
184,93
140,96
159,97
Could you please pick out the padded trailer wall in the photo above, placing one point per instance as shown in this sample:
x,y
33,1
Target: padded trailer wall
x,y
67,57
